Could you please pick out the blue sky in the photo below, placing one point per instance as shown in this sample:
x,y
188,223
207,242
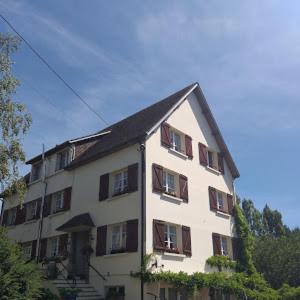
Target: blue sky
x,y
124,55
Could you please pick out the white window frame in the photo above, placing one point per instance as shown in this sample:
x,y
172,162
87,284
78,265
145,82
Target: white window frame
x,y
27,249
11,217
166,183
121,234
120,182
176,140
213,165
62,159
56,200
53,246
224,246
220,201
31,208
169,243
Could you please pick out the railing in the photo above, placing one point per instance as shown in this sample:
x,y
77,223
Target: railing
x,y
97,272
60,272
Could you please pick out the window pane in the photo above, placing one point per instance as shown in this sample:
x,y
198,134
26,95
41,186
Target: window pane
x,y
210,159
220,201
224,248
172,294
116,237
162,294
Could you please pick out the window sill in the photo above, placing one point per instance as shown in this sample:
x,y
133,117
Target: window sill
x,y
10,226
30,221
115,255
178,255
178,153
57,213
165,195
35,181
118,196
215,171
223,214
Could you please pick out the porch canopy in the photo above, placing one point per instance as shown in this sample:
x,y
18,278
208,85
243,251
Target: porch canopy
x,y
78,223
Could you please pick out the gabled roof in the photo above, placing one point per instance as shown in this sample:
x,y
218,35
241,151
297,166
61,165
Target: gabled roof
x,y
135,128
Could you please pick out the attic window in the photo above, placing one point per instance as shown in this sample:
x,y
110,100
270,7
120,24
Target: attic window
x,y
62,159
36,172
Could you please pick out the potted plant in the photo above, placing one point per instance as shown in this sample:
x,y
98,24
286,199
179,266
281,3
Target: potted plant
x,y
68,293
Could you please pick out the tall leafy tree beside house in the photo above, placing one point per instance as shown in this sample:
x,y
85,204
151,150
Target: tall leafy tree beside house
x,y
14,120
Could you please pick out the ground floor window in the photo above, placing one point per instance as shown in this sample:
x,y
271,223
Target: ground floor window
x,y
26,248
54,244
172,294
115,293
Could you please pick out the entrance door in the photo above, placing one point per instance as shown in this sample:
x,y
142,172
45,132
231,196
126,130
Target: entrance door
x,y
80,241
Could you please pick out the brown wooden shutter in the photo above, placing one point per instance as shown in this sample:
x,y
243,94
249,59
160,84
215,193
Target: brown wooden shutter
x,y
4,218
132,235
221,162
230,203
188,146
67,198
33,249
133,171
186,241
236,248
38,208
165,134
47,205
104,187
157,178
43,249
212,198
63,244
203,154
158,235
101,240
183,187
216,244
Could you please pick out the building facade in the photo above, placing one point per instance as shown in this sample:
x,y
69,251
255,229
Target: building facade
x,y
159,181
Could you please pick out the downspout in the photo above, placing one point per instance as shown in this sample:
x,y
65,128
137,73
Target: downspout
x,y
142,151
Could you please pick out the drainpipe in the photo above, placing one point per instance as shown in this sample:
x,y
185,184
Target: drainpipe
x,y
142,151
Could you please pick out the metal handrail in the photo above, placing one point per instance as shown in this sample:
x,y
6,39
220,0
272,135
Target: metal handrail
x,y
66,269
96,271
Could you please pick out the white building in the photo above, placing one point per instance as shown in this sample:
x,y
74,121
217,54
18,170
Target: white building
x,y
159,181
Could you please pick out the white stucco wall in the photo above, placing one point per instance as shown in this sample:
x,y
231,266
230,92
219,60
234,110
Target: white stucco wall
x,y
196,214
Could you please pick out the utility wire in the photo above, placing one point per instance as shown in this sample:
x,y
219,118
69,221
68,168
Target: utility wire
x,y
53,70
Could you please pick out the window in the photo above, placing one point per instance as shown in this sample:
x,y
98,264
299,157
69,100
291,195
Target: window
x,y
170,237
62,159
220,201
118,238
31,210
53,250
210,158
169,183
36,172
219,295
176,141
11,216
58,201
115,292
224,246
120,182
26,248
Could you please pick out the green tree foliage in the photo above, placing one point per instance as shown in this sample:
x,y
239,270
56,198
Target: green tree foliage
x,y
253,217
272,222
14,120
19,280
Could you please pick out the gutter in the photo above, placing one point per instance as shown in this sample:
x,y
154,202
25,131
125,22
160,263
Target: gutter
x,y
143,214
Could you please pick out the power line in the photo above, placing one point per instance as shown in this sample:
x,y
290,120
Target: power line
x,y
53,70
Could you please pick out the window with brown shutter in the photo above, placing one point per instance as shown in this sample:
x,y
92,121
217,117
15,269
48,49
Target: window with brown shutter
x,y
203,154
21,214
230,203
188,146
213,198
43,249
38,208
132,235
186,241
157,178
221,163
33,249
158,235
216,244
63,244
47,205
101,240
183,186
67,198
104,187
165,135
133,177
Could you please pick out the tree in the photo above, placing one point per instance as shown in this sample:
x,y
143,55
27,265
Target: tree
x,y
272,222
19,280
253,217
14,120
